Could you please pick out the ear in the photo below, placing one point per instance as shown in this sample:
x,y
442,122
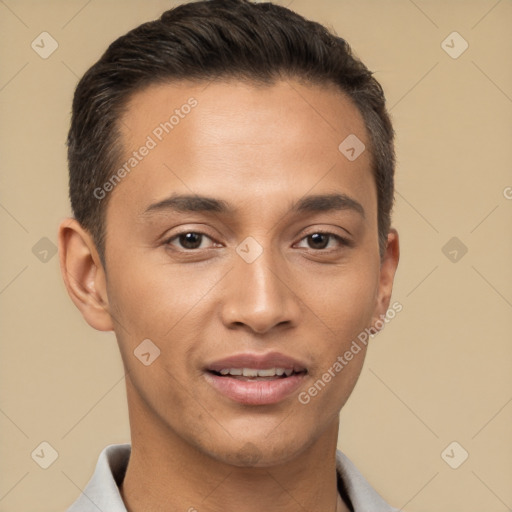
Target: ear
x,y
83,274
389,263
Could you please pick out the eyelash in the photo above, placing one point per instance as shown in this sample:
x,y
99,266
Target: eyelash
x,y
344,242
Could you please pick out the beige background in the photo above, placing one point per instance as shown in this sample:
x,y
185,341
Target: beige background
x,y
441,370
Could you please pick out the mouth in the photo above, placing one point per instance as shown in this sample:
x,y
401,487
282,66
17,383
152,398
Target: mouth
x,y
257,375
252,379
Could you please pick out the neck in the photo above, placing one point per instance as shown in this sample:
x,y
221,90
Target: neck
x,y
166,473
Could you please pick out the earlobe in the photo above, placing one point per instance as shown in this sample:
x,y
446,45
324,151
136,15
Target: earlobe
x,y
83,274
388,268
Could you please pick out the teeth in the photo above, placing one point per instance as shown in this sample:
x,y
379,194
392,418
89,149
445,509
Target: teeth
x,y
271,372
253,372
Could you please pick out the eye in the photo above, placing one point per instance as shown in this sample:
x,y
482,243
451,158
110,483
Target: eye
x,y
189,240
194,240
319,240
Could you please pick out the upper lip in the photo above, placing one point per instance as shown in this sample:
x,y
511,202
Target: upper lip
x,y
258,362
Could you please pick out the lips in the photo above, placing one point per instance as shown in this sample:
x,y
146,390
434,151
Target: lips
x,y
256,379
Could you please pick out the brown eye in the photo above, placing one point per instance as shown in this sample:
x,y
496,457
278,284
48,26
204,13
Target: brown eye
x,y
191,240
322,240
318,240
188,240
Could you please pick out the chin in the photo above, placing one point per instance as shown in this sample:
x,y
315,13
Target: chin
x,y
258,453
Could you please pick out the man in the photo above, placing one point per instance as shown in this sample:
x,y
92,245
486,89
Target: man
x,y
231,176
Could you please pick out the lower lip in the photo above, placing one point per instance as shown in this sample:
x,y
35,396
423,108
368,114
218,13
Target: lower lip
x,y
257,392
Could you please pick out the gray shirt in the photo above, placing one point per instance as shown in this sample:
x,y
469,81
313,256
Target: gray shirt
x,y
102,491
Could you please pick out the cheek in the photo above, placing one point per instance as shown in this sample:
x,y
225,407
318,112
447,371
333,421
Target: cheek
x,y
347,301
168,306
343,304
346,310
154,300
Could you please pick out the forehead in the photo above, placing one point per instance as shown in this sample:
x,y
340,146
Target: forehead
x,y
239,139
330,112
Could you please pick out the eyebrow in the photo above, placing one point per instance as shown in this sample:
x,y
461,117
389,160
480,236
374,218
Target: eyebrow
x,y
311,204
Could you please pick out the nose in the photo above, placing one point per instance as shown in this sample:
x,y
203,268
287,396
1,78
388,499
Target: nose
x,y
260,296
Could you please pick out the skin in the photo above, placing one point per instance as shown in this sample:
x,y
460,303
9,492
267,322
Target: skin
x,y
260,149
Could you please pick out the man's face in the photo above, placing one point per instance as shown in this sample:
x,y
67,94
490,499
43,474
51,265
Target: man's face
x,y
254,281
